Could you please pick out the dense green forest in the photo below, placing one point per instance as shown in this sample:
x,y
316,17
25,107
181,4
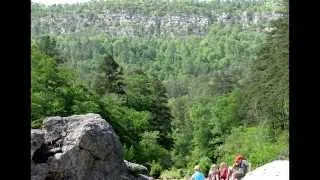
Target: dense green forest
x,y
174,101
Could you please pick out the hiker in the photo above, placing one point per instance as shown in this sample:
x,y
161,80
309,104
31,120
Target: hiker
x,y
197,175
224,171
230,168
214,173
240,168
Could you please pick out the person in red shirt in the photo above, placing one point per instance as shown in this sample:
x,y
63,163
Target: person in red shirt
x,y
224,171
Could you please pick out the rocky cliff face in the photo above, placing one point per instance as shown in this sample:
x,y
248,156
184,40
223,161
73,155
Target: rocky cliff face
x,y
79,147
125,22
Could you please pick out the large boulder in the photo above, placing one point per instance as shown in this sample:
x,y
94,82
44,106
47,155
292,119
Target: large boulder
x,y
79,147
136,168
37,139
276,170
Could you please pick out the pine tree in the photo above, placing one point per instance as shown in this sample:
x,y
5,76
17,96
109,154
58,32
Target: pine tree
x,y
161,115
109,78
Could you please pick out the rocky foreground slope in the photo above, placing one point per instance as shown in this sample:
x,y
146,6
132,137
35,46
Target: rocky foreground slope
x,y
78,147
275,170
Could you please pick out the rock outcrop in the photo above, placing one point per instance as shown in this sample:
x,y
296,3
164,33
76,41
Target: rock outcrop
x,y
125,24
136,168
276,170
130,20
79,147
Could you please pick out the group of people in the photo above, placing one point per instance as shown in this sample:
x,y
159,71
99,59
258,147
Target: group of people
x,y
223,172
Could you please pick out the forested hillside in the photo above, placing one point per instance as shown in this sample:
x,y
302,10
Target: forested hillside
x,y
181,82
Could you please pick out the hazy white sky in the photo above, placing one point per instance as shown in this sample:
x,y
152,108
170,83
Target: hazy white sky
x,y
50,2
